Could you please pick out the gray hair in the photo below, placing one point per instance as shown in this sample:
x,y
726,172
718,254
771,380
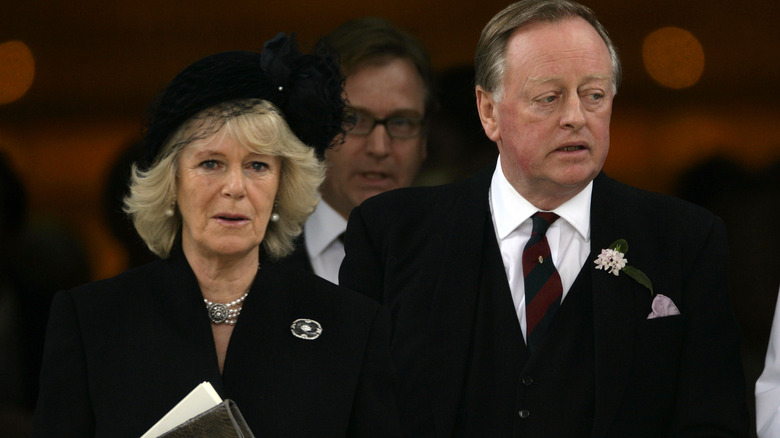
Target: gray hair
x,y
490,57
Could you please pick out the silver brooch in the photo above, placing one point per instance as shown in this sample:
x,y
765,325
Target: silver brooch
x,y
218,312
306,329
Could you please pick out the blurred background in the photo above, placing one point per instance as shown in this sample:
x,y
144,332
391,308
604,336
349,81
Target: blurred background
x,y
697,116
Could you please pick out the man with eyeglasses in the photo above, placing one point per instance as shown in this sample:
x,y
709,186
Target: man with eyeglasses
x,y
389,87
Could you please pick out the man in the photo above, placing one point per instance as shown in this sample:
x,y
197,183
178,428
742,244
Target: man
x,y
463,267
768,384
389,85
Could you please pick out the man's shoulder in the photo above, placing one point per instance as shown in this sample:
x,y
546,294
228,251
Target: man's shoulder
x,y
426,199
645,205
420,194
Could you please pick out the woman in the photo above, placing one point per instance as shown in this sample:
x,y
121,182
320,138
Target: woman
x,y
228,171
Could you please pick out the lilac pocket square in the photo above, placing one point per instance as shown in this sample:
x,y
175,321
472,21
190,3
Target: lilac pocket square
x,y
663,306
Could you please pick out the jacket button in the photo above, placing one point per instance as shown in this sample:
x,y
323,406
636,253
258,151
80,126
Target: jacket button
x,y
527,380
524,413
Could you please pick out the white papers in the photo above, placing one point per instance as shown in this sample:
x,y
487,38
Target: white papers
x,y
199,400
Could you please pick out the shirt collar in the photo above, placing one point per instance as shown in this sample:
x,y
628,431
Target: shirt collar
x,y
510,209
322,228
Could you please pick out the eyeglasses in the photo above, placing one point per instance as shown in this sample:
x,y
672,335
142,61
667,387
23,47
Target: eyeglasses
x,y
398,127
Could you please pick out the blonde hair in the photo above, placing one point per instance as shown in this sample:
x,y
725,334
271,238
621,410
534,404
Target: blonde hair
x,y
259,126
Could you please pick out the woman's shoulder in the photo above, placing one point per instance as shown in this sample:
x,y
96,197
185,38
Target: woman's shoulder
x,y
297,296
127,282
306,288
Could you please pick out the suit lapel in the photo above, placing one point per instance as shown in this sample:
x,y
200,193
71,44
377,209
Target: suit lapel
x,y
179,294
614,306
455,297
615,303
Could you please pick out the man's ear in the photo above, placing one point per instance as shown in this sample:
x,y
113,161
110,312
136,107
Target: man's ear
x,y
487,113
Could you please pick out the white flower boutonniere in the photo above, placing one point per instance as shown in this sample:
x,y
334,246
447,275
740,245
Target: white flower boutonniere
x,y
613,260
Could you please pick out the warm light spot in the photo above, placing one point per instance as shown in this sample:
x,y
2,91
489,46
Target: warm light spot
x,y
673,57
17,69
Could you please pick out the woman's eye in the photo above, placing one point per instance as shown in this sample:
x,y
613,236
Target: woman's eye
x,y
258,165
209,164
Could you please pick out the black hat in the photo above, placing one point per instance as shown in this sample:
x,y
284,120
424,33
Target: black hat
x,y
306,88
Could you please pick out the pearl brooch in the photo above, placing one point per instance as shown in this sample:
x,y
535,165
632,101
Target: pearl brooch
x,y
225,313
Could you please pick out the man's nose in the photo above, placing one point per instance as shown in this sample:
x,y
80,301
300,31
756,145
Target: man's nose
x,y
378,142
572,113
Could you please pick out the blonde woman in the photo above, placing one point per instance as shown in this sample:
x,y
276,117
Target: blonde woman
x,y
233,169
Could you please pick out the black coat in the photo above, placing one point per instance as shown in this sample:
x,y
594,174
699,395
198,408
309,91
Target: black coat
x,y
297,259
121,352
418,251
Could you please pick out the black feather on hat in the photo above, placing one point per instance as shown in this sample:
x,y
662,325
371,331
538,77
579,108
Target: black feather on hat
x,y
306,88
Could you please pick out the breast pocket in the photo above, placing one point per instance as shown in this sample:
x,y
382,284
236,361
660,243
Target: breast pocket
x,y
658,347
661,336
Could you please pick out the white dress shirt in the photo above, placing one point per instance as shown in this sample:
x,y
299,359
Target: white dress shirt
x,y
568,237
325,250
768,385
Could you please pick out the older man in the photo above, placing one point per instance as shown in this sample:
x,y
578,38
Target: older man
x,y
517,309
389,86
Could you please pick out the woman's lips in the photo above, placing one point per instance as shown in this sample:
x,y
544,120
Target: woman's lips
x,y
231,219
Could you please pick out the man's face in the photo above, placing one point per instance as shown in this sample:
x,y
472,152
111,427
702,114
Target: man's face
x,y
552,123
367,165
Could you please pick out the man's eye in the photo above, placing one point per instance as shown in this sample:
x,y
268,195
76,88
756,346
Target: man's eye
x,y
362,119
401,122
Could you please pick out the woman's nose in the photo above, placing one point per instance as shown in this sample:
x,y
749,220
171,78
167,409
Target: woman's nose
x,y
234,185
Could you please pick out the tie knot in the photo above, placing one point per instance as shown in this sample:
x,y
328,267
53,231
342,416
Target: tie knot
x,y
542,221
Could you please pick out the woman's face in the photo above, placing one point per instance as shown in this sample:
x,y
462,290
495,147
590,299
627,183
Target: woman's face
x,y
225,194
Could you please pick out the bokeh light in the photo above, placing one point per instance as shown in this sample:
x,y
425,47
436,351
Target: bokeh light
x,y
673,57
17,70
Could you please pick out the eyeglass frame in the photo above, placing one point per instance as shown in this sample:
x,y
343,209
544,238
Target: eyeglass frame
x,y
419,121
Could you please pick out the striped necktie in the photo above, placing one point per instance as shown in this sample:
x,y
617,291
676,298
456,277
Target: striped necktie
x,y
542,283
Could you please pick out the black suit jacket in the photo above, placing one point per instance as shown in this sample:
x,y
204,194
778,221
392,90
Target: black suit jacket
x,y
417,250
298,258
121,352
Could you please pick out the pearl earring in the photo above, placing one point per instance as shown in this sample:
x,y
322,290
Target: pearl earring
x,y
169,212
275,216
